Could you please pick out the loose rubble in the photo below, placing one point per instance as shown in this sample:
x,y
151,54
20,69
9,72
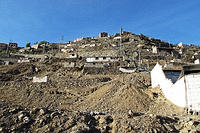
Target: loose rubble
x,y
72,101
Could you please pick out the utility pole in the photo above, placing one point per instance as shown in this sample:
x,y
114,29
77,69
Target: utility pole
x,y
61,39
139,56
44,48
7,49
121,53
120,49
121,30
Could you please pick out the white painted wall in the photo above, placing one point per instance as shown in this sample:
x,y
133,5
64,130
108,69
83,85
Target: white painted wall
x,y
101,59
177,93
154,49
197,61
26,60
127,70
173,92
193,91
40,79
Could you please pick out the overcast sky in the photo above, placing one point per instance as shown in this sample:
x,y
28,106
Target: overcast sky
x,y
25,21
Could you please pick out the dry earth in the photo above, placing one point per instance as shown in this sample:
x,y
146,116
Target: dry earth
x,y
72,101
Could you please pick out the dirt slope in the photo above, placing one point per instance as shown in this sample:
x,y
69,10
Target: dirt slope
x,y
100,103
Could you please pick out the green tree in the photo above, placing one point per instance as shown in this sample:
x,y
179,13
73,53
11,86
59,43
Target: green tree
x,y
28,44
43,42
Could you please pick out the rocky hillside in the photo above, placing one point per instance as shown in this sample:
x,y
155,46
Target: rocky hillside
x,y
73,101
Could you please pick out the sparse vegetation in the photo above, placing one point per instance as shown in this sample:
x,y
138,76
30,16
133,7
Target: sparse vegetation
x,y
28,44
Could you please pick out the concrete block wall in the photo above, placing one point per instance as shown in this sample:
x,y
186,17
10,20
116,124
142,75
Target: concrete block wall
x,y
176,93
173,92
184,93
193,91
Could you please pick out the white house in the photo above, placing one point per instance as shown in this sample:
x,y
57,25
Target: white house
x,y
40,79
197,61
23,60
185,92
154,49
35,46
102,59
180,45
117,38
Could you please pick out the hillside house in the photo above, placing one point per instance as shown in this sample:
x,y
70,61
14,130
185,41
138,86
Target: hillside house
x,y
69,64
117,38
180,45
24,60
25,49
103,34
88,45
163,51
102,59
69,50
185,92
72,56
62,45
3,46
197,61
94,65
154,49
13,45
35,46
196,58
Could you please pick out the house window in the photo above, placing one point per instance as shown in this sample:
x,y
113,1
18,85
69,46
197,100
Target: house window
x,y
97,58
104,58
73,54
94,63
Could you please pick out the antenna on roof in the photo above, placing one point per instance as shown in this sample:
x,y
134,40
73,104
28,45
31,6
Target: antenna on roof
x,y
61,38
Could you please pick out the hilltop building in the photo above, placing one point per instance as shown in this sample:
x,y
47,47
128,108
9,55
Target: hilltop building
x,y
3,46
103,34
13,45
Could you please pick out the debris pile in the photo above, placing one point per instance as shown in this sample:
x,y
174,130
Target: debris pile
x,y
73,101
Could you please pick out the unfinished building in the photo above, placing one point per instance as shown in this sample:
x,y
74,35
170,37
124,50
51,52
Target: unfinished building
x,y
185,92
